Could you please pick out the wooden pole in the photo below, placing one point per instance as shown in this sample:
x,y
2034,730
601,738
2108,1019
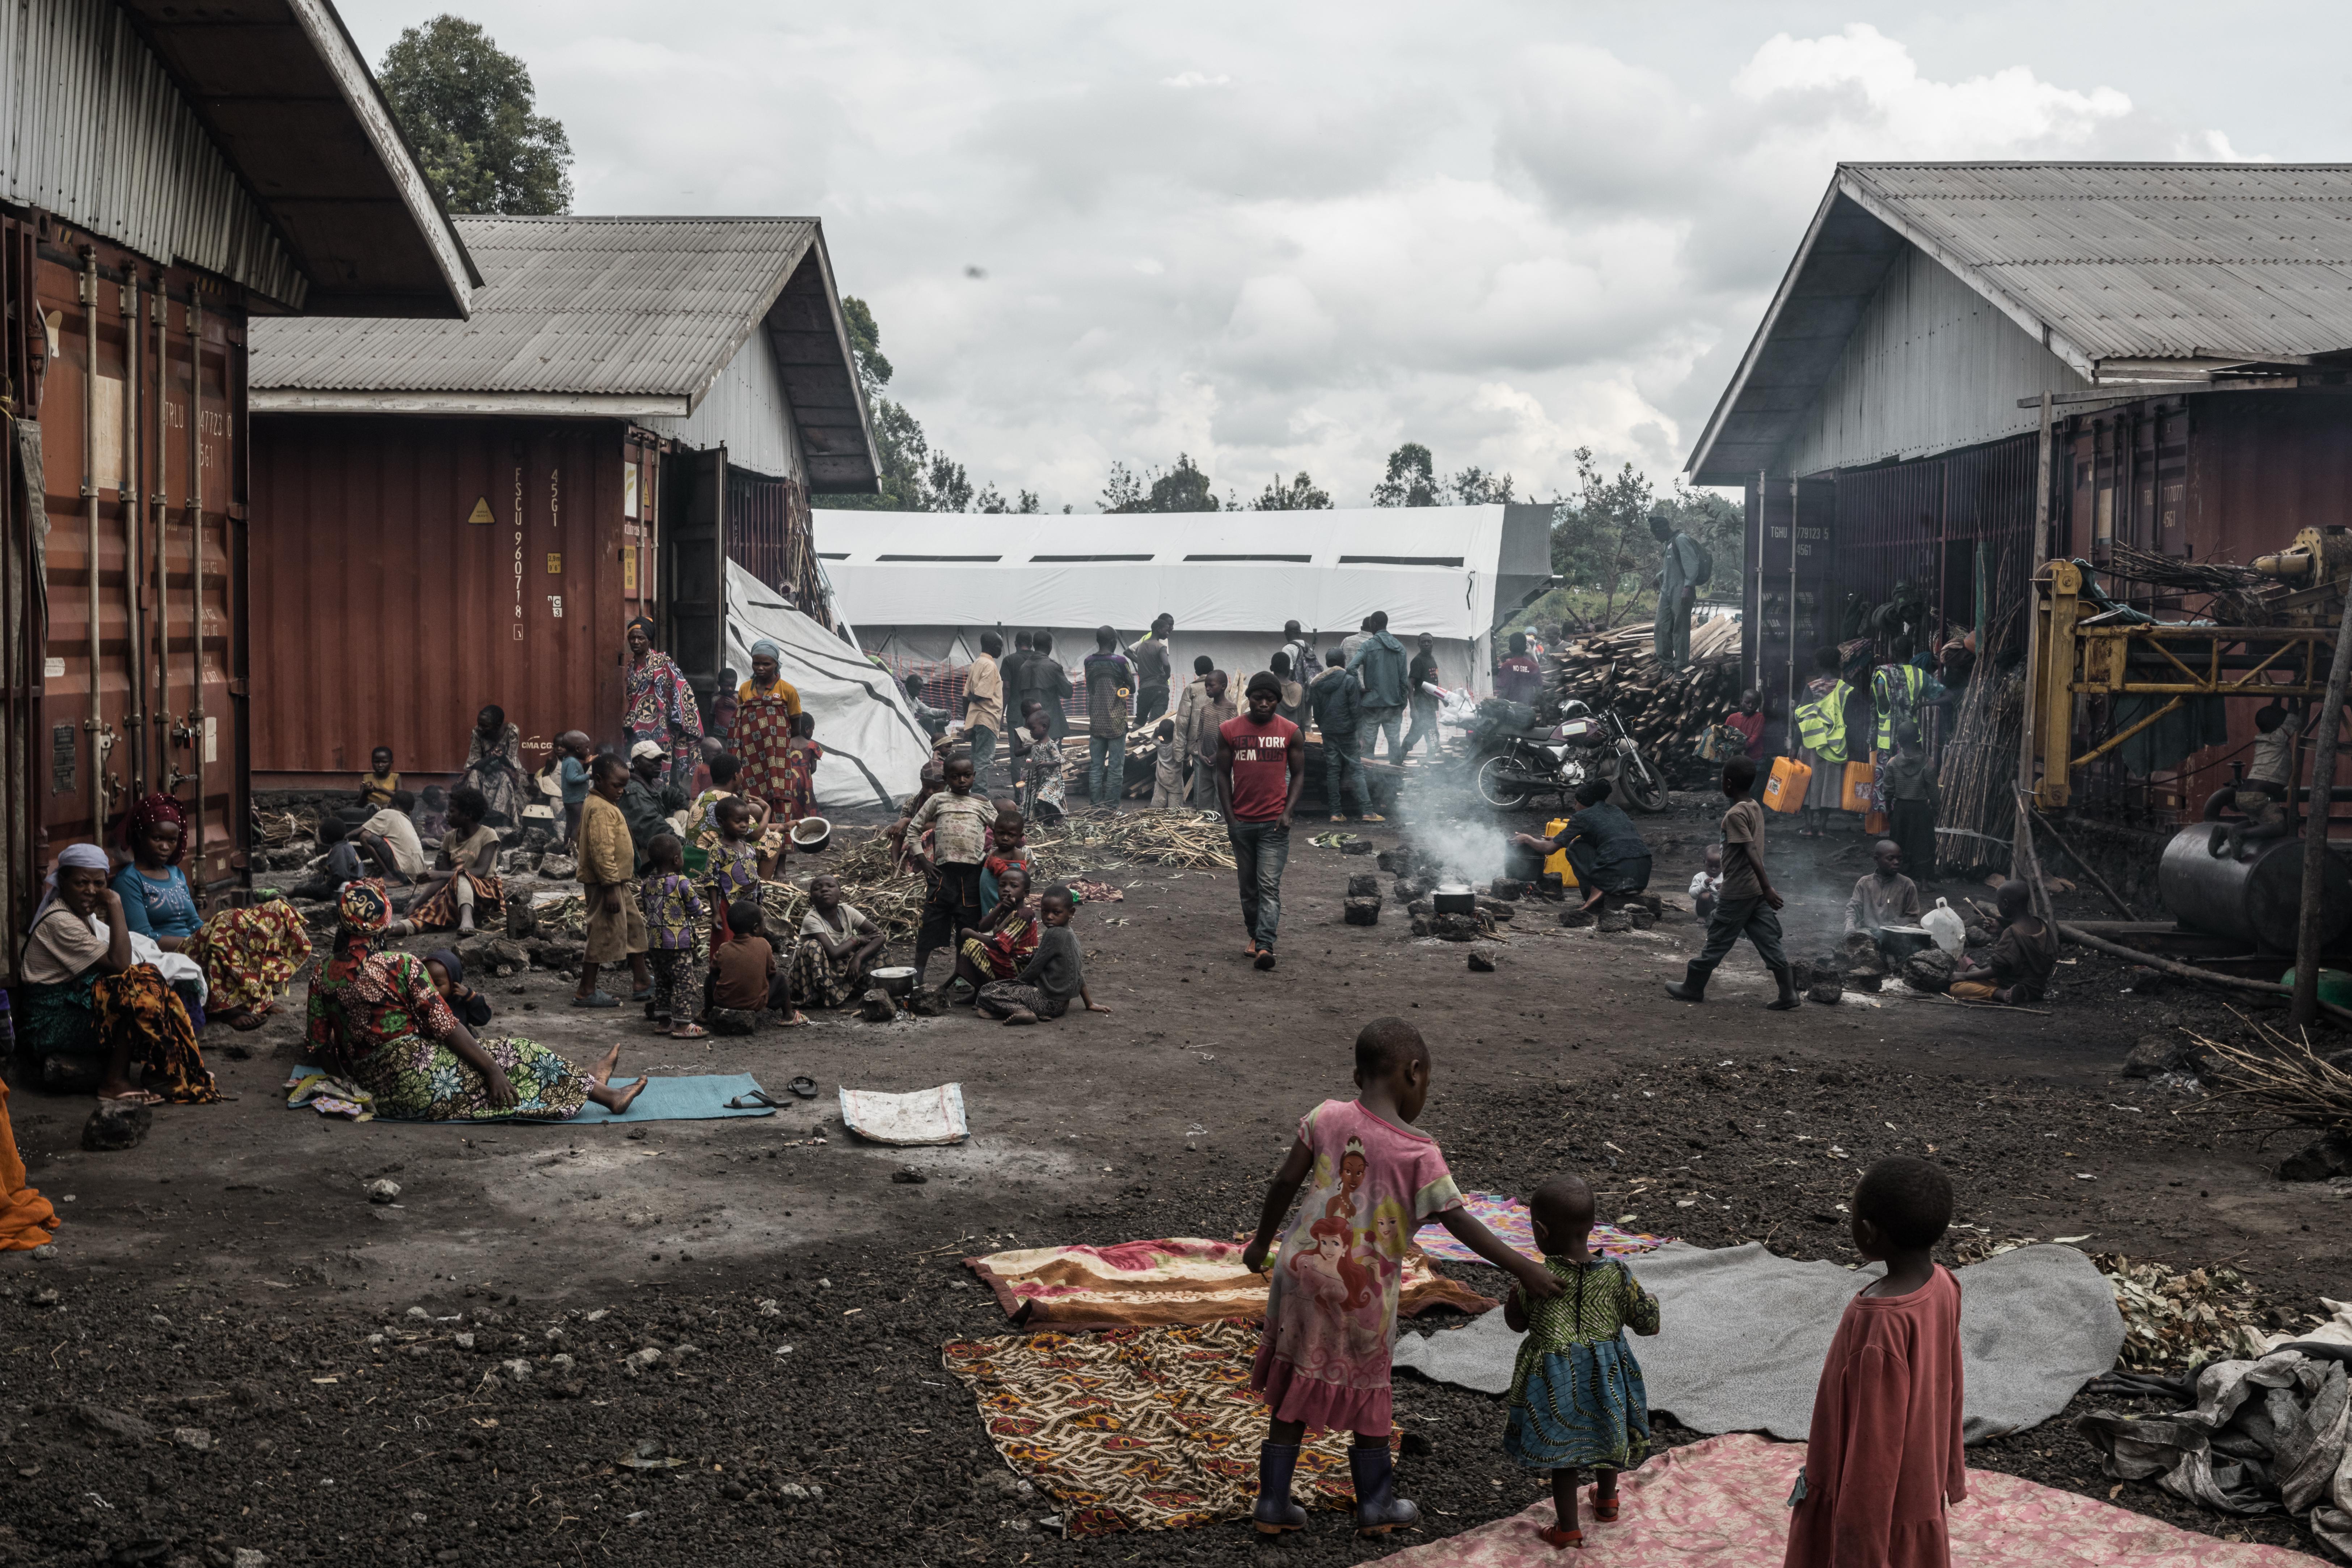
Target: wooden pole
x,y
2029,864
2204,976
2088,869
2315,829
2022,847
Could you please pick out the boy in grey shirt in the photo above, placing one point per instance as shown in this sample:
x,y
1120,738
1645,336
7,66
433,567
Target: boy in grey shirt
x,y
1053,976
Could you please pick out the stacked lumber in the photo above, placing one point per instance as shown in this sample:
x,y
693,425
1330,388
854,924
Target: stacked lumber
x,y
1978,814
1669,711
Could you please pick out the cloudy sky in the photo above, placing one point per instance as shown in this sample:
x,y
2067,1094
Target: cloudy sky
x,y
1288,236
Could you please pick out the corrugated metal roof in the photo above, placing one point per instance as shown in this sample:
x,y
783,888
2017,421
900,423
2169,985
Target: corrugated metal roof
x,y
2243,262
650,306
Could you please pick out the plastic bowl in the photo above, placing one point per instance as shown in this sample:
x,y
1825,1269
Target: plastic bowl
x,y
812,834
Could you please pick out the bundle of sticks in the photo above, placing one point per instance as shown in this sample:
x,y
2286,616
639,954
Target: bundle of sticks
x,y
2280,1075
1669,711
1979,771
871,880
2241,596
1194,841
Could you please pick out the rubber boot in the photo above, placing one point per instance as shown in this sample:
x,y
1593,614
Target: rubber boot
x,y
1787,1001
1378,1508
1276,1512
1692,986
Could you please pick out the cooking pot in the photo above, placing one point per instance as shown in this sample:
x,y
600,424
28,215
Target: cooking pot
x,y
812,834
1899,942
1454,898
899,980
1521,864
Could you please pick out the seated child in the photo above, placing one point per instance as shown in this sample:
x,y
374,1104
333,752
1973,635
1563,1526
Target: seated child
x,y
1707,884
1577,1396
430,812
1167,768
2018,965
377,785
1330,1313
1052,978
1883,896
671,908
1883,1459
2262,797
838,948
1000,946
744,981
447,972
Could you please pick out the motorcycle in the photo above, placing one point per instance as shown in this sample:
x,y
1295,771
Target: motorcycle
x,y
1519,758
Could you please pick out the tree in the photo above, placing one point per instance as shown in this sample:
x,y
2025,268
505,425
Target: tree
x,y
1411,478
1475,487
1024,502
913,477
1183,488
1596,536
1301,494
467,106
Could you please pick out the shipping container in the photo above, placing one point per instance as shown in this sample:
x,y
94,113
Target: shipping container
x,y
133,605
441,565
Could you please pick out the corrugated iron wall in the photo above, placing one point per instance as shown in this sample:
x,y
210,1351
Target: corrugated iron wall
x,y
767,535
1960,526
407,571
93,130
140,484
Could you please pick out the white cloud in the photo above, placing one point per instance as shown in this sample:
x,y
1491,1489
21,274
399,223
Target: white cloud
x,y
1502,236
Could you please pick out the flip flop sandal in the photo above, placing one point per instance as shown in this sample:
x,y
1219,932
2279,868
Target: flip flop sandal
x,y
804,1086
688,1032
755,1100
251,1019
597,999
136,1097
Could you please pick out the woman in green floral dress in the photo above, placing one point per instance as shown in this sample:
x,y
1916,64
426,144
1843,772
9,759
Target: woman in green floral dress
x,y
377,1018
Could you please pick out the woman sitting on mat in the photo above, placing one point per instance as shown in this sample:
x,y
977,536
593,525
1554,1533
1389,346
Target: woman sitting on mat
x,y
377,1018
248,955
79,994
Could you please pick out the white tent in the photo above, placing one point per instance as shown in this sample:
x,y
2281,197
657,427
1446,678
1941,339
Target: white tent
x,y
873,747
921,586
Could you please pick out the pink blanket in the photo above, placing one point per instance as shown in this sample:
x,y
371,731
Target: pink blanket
x,y
1507,1217
1722,1501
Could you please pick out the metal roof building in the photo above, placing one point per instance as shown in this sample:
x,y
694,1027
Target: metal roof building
x,y
632,402
2191,324
167,173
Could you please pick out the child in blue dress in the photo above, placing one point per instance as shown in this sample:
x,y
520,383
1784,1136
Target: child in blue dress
x,y
1577,1400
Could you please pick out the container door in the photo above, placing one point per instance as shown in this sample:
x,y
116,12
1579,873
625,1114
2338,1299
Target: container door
x,y
694,560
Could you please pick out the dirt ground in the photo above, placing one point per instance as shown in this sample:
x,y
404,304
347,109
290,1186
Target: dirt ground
x,y
182,1384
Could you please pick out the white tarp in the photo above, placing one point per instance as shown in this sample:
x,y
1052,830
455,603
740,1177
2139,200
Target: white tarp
x,y
874,750
926,584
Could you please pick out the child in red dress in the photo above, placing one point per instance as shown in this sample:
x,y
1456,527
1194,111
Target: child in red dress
x,y
1331,1310
1882,1456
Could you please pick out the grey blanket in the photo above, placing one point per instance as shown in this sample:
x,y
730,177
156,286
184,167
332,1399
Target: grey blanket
x,y
1743,1335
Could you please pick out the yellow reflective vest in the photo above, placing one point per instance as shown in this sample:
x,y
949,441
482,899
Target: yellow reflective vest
x,y
1821,724
1894,692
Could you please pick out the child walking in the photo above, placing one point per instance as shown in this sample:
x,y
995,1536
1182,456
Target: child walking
x,y
1748,903
671,909
1882,1458
1331,1310
1577,1397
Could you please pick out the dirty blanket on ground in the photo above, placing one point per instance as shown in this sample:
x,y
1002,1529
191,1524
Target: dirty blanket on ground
x,y
1742,1335
1177,1280
1138,1428
1722,1501
1508,1218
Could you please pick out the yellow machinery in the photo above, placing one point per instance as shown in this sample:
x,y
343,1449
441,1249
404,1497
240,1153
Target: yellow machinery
x,y
2177,661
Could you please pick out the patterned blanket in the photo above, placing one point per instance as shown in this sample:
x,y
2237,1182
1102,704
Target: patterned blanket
x,y
1179,1279
1721,1501
1508,1218
1138,1428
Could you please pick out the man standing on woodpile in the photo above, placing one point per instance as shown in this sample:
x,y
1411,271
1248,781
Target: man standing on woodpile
x,y
1260,769
1153,669
1110,681
1684,570
984,706
1380,661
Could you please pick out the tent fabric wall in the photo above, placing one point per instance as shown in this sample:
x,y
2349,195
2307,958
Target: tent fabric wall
x,y
922,578
874,750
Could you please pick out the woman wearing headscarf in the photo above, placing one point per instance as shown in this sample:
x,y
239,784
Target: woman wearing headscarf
x,y
659,704
494,765
82,994
765,707
248,955
377,1019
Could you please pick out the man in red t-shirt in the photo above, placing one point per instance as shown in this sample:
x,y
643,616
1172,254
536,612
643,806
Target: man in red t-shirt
x,y
1261,764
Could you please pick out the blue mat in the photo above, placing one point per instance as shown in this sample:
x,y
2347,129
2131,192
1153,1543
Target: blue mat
x,y
690,1098
702,1099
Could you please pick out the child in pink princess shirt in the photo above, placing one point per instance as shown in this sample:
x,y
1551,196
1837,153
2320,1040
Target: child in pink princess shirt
x,y
1331,1310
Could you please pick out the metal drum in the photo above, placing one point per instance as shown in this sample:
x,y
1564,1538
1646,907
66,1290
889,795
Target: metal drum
x,y
2257,900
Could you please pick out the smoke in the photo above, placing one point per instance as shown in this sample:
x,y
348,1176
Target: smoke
x,y
1443,819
